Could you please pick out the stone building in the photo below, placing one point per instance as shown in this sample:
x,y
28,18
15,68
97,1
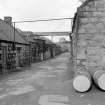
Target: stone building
x,y
20,49
88,36
41,48
14,50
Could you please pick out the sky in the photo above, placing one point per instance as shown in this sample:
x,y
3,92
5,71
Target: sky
x,y
21,10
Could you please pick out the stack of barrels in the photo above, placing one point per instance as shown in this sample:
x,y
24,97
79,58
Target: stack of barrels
x,y
83,80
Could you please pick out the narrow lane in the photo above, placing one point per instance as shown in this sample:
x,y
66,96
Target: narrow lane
x,y
46,83
25,87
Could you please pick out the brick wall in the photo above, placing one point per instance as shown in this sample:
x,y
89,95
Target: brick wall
x,y
89,36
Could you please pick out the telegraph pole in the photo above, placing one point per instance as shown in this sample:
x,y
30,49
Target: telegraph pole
x,y
14,35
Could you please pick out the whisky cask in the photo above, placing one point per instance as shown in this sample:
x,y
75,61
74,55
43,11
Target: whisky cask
x,y
82,81
99,79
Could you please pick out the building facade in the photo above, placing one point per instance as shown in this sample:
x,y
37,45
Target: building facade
x,y
14,50
88,36
20,49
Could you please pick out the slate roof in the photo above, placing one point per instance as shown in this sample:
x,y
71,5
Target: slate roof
x,y
28,35
32,37
7,33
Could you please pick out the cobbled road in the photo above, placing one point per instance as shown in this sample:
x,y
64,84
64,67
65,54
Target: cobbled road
x,y
46,83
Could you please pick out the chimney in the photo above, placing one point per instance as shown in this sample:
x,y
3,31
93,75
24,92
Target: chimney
x,y
8,20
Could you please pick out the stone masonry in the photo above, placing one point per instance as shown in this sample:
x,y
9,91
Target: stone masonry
x,y
89,36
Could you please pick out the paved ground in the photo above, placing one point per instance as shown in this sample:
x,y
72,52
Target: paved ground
x,y
46,83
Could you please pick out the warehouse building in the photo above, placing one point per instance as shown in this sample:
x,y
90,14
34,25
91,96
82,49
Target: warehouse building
x,y
20,49
14,50
88,36
41,47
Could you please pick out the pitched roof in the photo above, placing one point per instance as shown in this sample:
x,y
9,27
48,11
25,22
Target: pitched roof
x,y
28,35
7,33
32,37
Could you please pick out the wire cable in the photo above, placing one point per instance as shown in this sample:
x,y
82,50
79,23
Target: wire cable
x,y
42,20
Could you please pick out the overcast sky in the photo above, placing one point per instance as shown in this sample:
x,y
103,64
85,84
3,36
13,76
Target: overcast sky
x,y
22,10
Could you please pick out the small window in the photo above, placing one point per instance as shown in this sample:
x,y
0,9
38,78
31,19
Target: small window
x,y
18,49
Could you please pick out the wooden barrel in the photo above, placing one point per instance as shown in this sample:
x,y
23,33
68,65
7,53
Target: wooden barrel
x,y
82,81
99,79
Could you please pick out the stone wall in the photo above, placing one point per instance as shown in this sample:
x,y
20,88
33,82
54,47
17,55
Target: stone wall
x,y
89,36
